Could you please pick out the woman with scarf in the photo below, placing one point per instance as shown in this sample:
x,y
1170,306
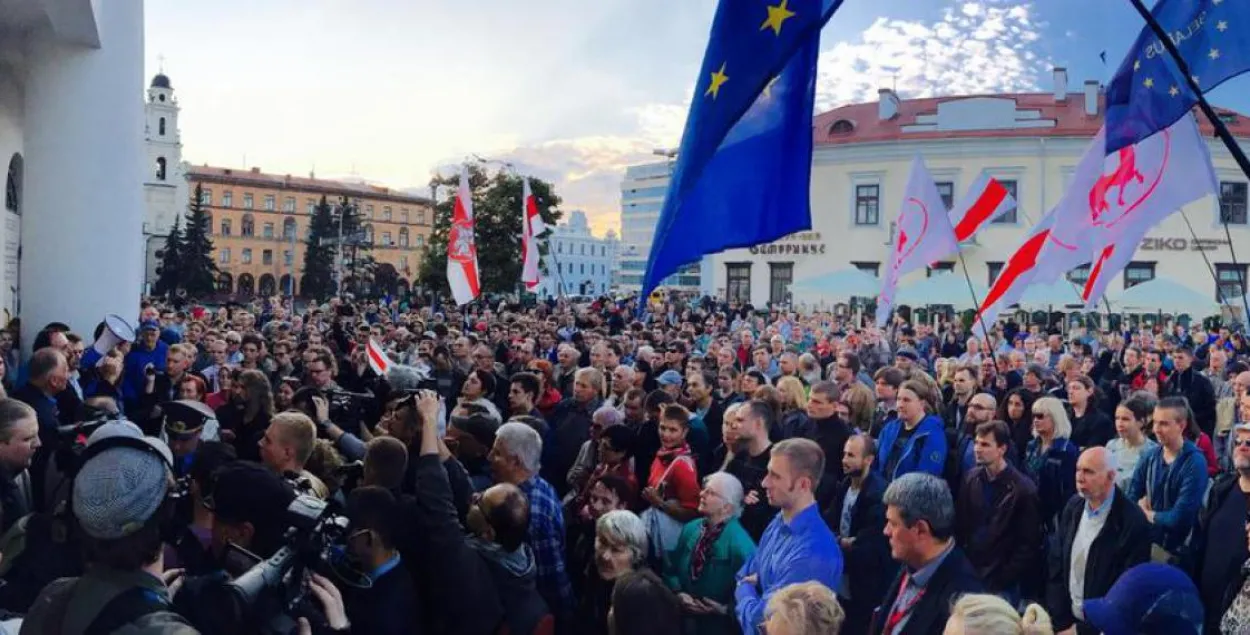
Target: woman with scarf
x,y
709,552
548,395
672,484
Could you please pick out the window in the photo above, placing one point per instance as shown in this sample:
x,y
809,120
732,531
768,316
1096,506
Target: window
x,y
386,213
288,229
206,196
1138,272
247,201
386,239
227,198
403,263
248,226
225,227
559,248
247,255
420,217
1012,188
266,257
223,255
420,240
369,234
270,202
841,126
160,168
738,281
946,190
161,127
559,267
268,230
581,269
940,267
583,249
1080,275
403,217
1231,279
994,268
287,257
208,223
403,236
867,204
369,211
1233,202
288,204
311,205
871,268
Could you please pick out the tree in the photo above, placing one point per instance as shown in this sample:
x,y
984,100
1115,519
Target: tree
x,y
357,242
169,272
198,270
385,279
497,228
318,278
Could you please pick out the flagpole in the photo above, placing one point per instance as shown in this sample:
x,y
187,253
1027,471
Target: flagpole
x,y
1221,131
976,316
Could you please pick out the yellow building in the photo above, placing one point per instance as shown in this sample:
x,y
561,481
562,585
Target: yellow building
x,y
259,224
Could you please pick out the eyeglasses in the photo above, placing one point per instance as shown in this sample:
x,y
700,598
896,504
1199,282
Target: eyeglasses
x,y
1244,443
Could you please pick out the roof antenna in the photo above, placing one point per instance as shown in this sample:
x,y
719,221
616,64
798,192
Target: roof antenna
x,y
160,64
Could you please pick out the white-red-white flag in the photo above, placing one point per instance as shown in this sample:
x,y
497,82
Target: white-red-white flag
x,y
377,358
462,273
1015,277
532,227
986,200
924,234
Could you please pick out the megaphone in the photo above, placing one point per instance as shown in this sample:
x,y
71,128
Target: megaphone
x,y
116,330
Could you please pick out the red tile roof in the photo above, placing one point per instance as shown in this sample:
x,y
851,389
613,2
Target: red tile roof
x,y
1069,117
256,178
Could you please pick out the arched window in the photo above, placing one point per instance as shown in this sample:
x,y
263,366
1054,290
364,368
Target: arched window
x,y
161,125
160,168
247,284
268,285
248,226
403,236
13,185
225,227
288,229
285,285
841,126
225,283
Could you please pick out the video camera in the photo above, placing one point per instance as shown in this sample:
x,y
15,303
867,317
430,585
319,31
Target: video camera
x,y
274,591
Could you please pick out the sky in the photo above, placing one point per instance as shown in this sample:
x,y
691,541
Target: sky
x,y
569,91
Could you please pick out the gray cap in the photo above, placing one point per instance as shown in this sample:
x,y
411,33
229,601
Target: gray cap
x,y
669,378
119,489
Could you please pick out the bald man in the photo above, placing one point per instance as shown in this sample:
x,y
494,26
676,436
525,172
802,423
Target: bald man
x,y
1101,535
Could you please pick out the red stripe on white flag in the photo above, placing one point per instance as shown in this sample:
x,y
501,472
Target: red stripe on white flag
x,y
985,201
378,361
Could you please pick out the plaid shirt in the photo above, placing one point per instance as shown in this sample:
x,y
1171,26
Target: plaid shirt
x,y
546,539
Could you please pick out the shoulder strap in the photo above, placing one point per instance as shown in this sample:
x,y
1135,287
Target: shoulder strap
x,y
129,607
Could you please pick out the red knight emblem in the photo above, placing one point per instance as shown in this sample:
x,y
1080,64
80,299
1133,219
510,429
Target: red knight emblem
x,y
461,246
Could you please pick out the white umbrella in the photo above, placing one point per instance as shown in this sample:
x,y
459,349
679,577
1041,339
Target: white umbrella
x,y
942,288
1166,295
1041,297
838,286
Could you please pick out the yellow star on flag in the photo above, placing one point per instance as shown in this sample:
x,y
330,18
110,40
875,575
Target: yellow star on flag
x,y
1136,65
776,16
1214,54
1221,26
718,78
1174,91
768,88
1149,83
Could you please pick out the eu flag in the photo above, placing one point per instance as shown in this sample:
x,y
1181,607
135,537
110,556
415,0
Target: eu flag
x,y
744,166
1148,92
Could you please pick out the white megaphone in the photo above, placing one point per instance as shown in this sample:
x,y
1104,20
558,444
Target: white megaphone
x,y
116,330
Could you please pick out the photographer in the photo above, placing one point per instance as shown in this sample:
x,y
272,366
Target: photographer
x,y
487,578
120,502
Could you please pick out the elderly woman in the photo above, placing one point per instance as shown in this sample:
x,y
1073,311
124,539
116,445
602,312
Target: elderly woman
x,y
709,552
804,608
1050,459
620,548
588,456
979,614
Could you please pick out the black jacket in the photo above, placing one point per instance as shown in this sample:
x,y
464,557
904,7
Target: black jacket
x,y
1003,549
952,579
1195,387
869,556
480,591
1123,543
570,428
386,608
1224,485
1093,428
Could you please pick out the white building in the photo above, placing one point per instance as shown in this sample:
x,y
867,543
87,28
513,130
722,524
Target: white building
x,y
71,137
1030,142
578,262
165,190
642,199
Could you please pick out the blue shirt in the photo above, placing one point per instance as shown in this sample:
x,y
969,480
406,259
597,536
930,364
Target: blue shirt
x,y
546,539
803,550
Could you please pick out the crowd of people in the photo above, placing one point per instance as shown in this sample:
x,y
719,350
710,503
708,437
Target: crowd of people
x,y
684,467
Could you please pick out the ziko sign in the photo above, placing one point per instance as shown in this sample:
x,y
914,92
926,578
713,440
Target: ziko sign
x,y
1182,244
802,243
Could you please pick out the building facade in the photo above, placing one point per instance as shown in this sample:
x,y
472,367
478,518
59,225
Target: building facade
x,y
642,199
165,194
1029,142
71,141
577,262
259,224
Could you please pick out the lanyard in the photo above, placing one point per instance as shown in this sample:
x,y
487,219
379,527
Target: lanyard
x,y
899,613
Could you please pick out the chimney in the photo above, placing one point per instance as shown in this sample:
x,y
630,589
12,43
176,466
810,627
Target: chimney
x,y
255,170
887,104
1091,97
1061,84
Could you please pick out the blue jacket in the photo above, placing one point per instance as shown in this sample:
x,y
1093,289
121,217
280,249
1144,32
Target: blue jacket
x,y
1055,478
132,372
802,551
1175,496
925,450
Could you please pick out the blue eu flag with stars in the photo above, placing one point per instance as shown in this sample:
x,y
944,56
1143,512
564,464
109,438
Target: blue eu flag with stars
x,y
1148,92
743,170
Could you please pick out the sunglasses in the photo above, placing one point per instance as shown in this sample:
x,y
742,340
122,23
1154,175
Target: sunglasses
x,y
1039,415
1244,443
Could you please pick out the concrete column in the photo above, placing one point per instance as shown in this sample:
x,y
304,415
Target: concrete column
x,y
82,222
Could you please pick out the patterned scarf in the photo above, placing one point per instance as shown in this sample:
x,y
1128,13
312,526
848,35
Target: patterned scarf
x,y
708,535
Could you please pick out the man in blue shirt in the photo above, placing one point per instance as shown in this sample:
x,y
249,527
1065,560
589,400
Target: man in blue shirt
x,y
797,546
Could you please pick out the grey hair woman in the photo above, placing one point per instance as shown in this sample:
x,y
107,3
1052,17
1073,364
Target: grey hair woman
x,y
620,544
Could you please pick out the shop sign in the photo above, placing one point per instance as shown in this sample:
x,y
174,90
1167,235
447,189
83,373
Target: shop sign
x,y
1177,243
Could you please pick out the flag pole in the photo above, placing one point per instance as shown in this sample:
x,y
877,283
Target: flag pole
x,y
976,315
1221,131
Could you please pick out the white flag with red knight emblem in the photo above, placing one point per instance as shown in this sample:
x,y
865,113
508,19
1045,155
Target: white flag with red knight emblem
x,y
924,235
462,273
532,227
1115,199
